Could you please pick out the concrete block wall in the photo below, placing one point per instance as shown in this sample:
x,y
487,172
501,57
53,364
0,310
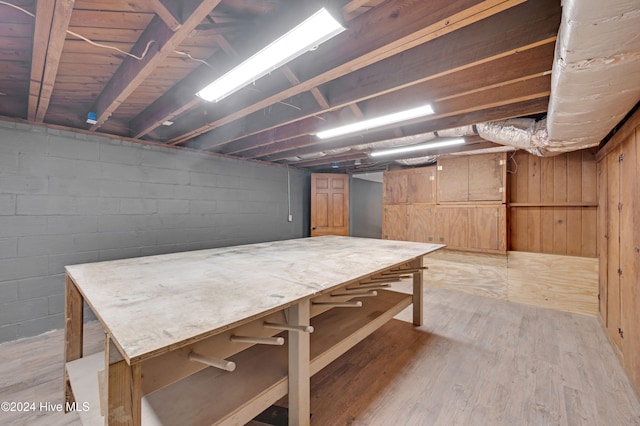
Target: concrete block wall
x,y
68,198
365,208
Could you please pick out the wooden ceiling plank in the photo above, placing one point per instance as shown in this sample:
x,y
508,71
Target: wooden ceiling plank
x,y
104,19
16,30
472,45
401,28
168,12
528,107
14,16
116,6
133,72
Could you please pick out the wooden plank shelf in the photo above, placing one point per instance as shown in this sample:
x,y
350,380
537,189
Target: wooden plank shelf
x,y
213,396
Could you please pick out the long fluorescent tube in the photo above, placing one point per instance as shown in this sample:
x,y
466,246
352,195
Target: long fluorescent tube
x,y
376,122
313,31
420,147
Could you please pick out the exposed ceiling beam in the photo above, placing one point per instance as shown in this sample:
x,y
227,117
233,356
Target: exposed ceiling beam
x,y
162,41
404,27
474,45
502,71
50,30
490,113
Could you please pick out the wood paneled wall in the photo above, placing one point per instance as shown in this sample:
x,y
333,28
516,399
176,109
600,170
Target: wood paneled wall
x,y
553,203
462,205
619,235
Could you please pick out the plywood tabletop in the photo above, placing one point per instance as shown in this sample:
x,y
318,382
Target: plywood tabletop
x,y
151,304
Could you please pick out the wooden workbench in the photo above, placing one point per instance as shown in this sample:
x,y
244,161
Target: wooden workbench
x,y
168,318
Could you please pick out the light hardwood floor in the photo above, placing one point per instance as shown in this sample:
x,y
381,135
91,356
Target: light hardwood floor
x,y
475,361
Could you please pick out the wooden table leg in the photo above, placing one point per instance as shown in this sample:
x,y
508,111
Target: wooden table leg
x,y
299,371
124,389
417,290
73,324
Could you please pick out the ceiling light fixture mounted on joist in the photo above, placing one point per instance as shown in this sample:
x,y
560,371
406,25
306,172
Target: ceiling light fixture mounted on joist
x,y
306,36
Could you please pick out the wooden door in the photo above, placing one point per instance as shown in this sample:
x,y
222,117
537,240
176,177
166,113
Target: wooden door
x,y
329,204
613,247
394,222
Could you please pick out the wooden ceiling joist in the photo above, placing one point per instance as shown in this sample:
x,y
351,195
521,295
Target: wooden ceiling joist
x,y
162,41
404,28
502,71
474,45
50,30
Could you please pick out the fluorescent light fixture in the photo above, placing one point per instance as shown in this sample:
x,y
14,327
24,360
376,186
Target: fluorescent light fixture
x,y
315,30
420,147
376,122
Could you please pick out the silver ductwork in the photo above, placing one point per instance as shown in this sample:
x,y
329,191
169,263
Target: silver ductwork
x,y
418,161
521,133
596,72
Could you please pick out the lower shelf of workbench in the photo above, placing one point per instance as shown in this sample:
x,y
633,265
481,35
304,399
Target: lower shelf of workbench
x,y
213,396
